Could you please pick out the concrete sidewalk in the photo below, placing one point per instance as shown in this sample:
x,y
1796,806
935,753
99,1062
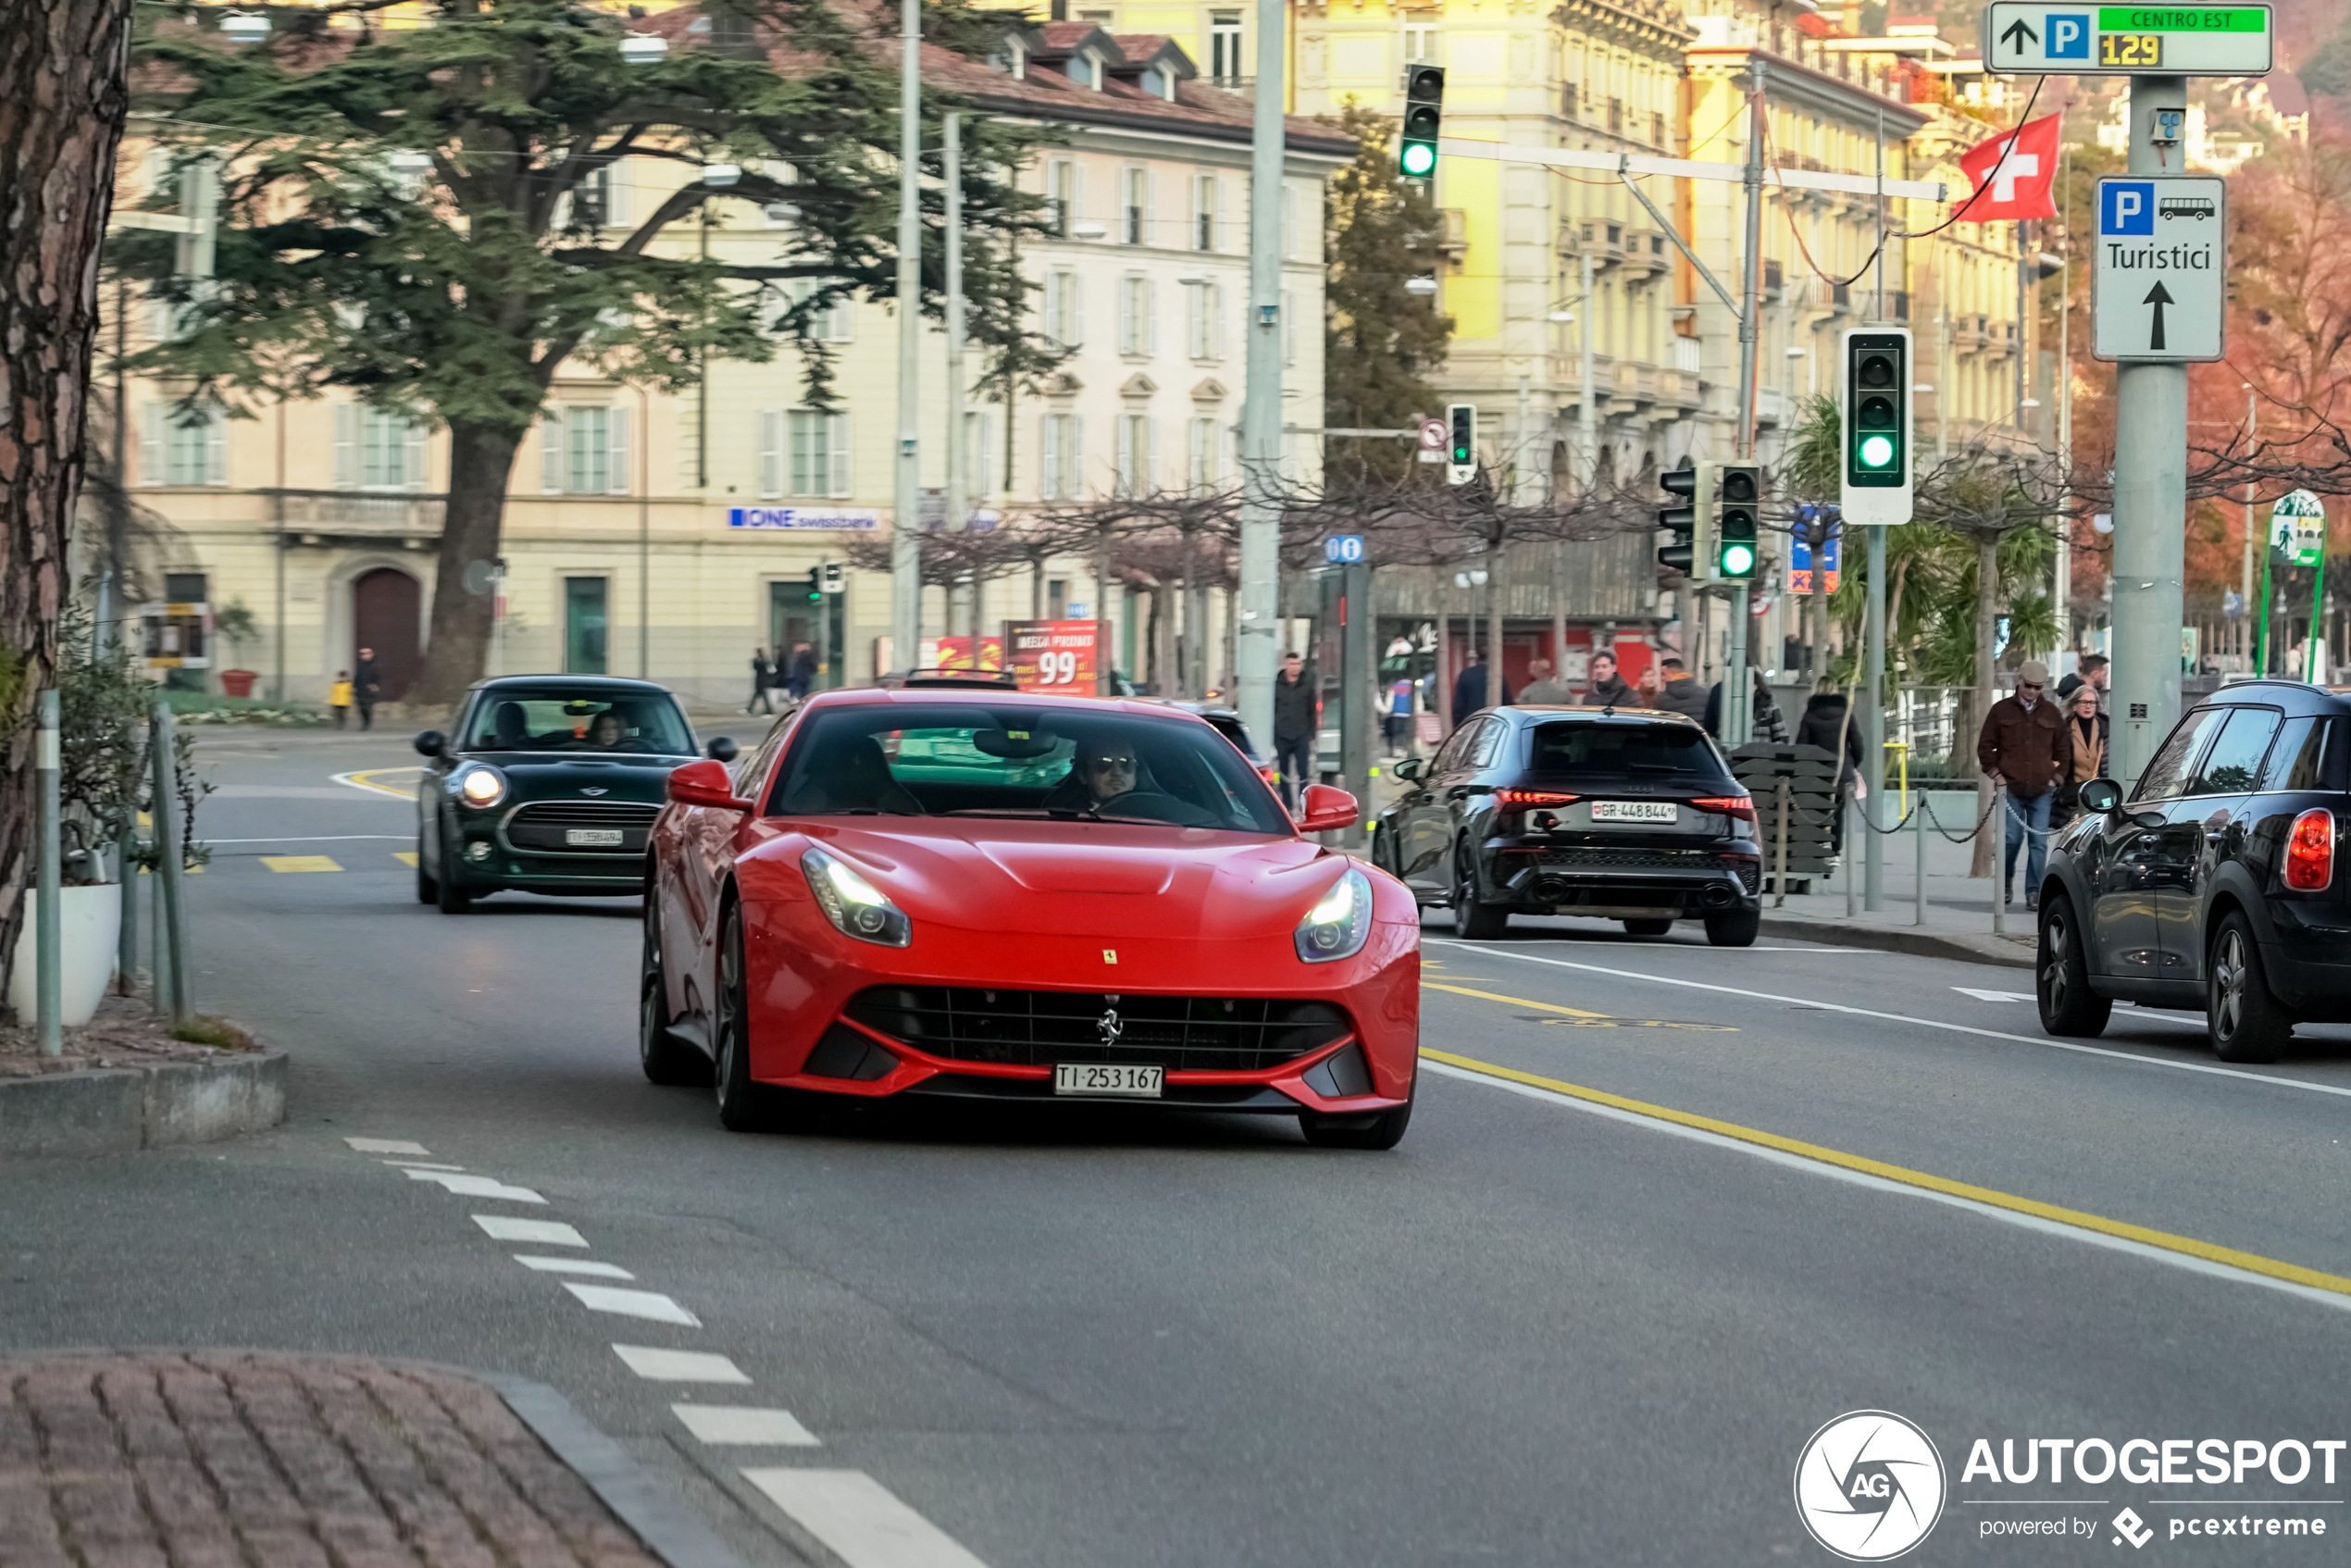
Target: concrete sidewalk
x,y
241,1460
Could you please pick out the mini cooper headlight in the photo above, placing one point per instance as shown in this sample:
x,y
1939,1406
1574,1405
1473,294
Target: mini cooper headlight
x,y
1337,925
482,786
856,906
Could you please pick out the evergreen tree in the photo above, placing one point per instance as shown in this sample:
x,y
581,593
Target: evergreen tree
x,y
1381,341
414,214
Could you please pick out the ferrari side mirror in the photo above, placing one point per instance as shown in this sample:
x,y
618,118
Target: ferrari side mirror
x,y
705,784
1327,808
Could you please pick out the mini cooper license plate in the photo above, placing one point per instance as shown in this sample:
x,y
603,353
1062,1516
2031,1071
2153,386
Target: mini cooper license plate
x,y
1654,814
1121,1082
593,838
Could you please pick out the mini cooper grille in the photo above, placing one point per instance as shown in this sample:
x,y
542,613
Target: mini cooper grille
x,y
1747,871
542,825
1035,1028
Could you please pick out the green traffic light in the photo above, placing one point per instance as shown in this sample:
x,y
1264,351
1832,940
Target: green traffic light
x,y
1877,452
1737,559
1419,158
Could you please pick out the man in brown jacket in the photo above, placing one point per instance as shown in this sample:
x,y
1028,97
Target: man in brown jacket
x,y
2027,747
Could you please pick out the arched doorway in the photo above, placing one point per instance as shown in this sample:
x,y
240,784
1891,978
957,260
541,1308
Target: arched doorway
x,y
386,605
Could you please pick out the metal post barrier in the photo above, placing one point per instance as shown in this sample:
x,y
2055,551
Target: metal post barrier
x,y
1854,824
126,961
159,956
172,859
1919,814
2000,821
1779,876
48,901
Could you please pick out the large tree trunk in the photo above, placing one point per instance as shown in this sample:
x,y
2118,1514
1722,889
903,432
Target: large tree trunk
x,y
62,70
481,464
1987,592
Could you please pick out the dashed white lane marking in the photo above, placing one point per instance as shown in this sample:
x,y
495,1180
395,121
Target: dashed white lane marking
x,y
745,1426
478,1187
679,1366
419,1165
1995,996
386,1146
651,1305
573,1265
544,1233
860,1519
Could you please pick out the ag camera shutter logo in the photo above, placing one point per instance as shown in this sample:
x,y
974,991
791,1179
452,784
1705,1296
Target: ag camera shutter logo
x,y
1870,1486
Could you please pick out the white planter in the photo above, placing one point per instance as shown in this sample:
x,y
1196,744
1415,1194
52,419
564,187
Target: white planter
x,y
91,928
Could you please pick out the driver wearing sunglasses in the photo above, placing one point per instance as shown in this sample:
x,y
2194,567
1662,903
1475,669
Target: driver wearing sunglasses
x,y
1109,770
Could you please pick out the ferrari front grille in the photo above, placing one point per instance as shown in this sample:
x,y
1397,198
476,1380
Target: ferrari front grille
x,y
1196,1034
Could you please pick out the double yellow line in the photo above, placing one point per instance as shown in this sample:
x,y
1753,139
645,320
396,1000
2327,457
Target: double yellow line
x,y
2163,1240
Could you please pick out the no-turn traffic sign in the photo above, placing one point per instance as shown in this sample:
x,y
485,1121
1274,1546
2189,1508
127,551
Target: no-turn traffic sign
x,y
2159,281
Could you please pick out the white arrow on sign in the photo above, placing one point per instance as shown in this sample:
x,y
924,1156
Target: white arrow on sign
x,y
2160,273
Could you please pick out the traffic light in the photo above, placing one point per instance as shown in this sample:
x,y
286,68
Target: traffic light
x,y
835,579
1877,426
816,585
1423,110
1461,456
1680,520
1739,489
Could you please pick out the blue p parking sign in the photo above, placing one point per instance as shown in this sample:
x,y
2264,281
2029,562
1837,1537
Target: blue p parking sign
x,y
2068,35
1342,549
2126,207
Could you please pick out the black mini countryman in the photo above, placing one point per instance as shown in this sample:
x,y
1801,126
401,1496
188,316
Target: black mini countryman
x,y
2212,886
549,784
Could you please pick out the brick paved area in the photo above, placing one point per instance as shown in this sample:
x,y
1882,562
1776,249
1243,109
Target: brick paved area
x,y
239,1460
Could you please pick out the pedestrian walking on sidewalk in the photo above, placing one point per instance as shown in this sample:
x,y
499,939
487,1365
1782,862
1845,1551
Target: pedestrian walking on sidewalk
x,y
366,687
801,677
1470,693
2026,748
763,681
1765,721
1396,722
1297,717
2094,673
1824,725
1680,693
339,698
2089,729
1543,687
1608,689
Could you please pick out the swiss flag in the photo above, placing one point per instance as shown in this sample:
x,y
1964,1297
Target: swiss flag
x,y
2020,180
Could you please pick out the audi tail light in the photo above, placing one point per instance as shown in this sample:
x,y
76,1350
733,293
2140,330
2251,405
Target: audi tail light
x,y
2310,851
1734,805
1523,800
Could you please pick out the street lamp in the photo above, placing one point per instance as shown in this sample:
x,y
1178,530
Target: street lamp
x,y
1421,286
244,27
719,176
643,49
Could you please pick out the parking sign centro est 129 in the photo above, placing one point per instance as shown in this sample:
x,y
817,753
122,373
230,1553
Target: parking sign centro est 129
x,y
2160,274
2037,37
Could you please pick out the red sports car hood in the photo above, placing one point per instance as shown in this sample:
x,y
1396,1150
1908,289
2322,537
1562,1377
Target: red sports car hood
x,y
1094,879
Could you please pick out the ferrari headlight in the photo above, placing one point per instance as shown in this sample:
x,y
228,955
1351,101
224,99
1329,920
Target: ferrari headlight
x,y
1336,926
481,786
856,906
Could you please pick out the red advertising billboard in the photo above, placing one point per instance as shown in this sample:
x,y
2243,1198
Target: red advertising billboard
x,y
1056,657
955,652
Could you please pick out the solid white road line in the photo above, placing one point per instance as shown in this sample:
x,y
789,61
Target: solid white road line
x,y
478,1187
419,1165
651,1305
1901,1189
745,1427
573,1265
386,1146
1996,996
2132,1058
658,1365
544,1233
859,1519
314,838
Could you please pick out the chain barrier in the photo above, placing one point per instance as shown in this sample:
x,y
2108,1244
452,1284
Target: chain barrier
x,y
1921,804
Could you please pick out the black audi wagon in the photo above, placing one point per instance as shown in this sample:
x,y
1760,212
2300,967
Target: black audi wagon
x,y
2212,886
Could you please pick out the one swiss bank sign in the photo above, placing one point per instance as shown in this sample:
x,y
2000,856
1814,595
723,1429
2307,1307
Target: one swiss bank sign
x,y
2161,284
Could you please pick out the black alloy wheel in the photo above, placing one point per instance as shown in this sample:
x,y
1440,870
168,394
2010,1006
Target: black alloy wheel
x,y
1737,928
2061,975
1369,1129
2245,1019
666,1060
1474,920
1646,927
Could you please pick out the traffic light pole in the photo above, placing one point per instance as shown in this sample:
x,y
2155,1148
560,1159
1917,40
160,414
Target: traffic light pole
x,y
905,517
1260,521
2151,498
1738,689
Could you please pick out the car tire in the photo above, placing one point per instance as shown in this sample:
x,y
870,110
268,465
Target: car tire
x,y
2062,975
1646,927
453,896
667,1060
1737,928
428,891
743,1105
1375,1129
2243,1017
1474,919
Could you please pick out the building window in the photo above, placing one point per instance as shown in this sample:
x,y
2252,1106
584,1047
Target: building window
x,y
1065,308
185,448
1205,311
1420,43
1208,200
584,626
1135,211
584,450
601,199
1061,441
1567,100
1056,598
1225,47
1137,316
376,451
1203,448
1061,190
1086,70
1135,455
979,454
834,323
1657,129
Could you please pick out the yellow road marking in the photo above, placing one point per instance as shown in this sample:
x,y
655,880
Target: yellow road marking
x,y
368,778
405,857
1514,1000
2187,1246
299,863
193,870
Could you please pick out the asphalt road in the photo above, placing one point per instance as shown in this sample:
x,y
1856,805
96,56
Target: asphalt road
x,y
1663,1212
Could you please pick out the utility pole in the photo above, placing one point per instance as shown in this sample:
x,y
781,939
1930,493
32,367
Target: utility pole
x,y
2150,494
1587,418
1739,691
1261,383
905,524
958,510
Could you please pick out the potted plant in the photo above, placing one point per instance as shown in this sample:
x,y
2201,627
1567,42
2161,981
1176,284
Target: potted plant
x,y
234,625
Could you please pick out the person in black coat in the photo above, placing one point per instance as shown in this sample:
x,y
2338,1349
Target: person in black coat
x,y
1469,689
763,679
367,687
1824,716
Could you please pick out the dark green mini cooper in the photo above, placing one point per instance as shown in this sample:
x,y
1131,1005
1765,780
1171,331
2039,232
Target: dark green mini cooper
x,y
548,785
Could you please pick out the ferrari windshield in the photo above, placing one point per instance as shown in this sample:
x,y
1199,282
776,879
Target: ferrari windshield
x,y
1056,764
552,719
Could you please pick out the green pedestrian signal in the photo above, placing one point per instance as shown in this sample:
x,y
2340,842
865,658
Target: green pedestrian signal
x,y
1423,113
1739,487
1681,520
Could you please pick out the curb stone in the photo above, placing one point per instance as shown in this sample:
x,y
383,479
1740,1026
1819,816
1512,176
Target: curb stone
x,y
2008,953
122,1110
